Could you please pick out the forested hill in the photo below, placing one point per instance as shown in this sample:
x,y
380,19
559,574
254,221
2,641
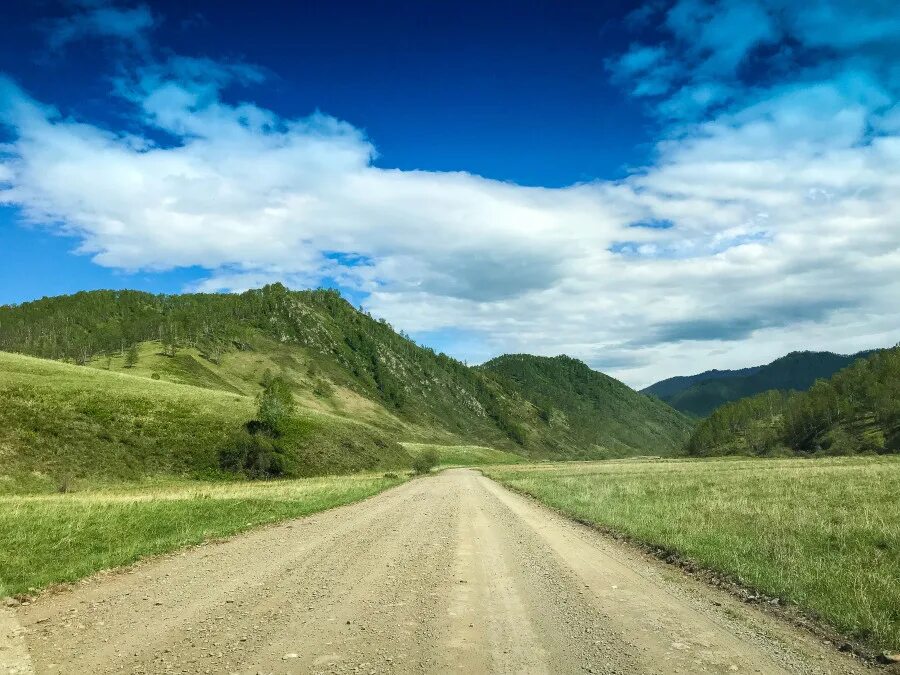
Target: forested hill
x,y
583,407
699,395
667,388
338,360
856,410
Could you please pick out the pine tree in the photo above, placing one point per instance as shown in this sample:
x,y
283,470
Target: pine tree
x,y
131,357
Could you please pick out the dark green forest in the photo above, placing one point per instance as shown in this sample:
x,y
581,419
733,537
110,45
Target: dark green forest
x,y
857,410
698,395
586,404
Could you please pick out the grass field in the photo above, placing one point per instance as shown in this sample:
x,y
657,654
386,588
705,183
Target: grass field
x,y
59,421
45,539
465,455
823,534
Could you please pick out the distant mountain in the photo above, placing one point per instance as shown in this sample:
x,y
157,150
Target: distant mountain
x,y
587,409
669,387
856,410
699,395
342,365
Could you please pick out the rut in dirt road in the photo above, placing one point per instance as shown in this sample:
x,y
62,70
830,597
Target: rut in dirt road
x,y
447,574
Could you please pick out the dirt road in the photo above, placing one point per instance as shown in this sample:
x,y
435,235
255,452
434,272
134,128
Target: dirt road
x,y
448,573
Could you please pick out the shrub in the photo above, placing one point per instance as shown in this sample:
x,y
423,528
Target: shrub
x,y
390,475
257,456
154,376
323,389
65,484
425,461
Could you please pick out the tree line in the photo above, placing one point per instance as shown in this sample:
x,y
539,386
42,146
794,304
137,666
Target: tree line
x,y
856,410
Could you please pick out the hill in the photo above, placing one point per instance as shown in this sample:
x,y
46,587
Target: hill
x,y
698,395
586,409
342,366
60,422
856,410
667,388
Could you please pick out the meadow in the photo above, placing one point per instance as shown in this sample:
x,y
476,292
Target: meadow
x,y
52,538
822,534
65,424
465,455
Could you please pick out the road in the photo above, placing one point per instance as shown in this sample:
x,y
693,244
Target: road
x,y
451,573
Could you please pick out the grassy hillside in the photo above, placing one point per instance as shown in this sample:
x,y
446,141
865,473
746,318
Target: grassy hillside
x,y
823,535
856,410
226,340
586,409
341,365
60,422
465,455
699,395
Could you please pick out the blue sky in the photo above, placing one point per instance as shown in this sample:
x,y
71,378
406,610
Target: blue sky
x,y
436,87
656,188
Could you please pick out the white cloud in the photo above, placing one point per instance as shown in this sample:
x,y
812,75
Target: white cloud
x,y
785,213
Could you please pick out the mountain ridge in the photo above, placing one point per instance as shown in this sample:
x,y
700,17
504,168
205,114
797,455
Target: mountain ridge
x,y
699,395
339,361
856,410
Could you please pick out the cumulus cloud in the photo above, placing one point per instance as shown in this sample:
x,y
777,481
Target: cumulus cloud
x,y
769,226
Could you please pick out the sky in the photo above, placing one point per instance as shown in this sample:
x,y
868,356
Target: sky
x,y
655,188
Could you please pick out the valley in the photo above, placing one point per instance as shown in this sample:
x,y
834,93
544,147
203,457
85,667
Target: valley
x,y
412,337
446,573
139,450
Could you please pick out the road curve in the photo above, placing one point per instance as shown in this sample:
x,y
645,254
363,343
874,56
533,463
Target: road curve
x,y
452,573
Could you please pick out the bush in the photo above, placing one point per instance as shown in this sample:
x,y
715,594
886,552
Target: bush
x,y
65,484
323,389
257,456
390,475
425,461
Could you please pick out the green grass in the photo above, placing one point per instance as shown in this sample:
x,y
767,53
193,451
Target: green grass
x,y
465,455
59,420
823,534
46,539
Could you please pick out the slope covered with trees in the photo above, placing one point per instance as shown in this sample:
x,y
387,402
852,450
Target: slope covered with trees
x,y
666,389
586,409
699,395
337,361
856,410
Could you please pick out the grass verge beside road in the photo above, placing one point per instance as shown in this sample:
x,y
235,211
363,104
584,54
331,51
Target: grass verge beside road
x,y
46,539
823,534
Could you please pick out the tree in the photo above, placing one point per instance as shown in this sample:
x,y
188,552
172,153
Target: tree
x,y
131,356
275,405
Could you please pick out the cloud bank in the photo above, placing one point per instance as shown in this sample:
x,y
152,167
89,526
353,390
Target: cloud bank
x,y
769,220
